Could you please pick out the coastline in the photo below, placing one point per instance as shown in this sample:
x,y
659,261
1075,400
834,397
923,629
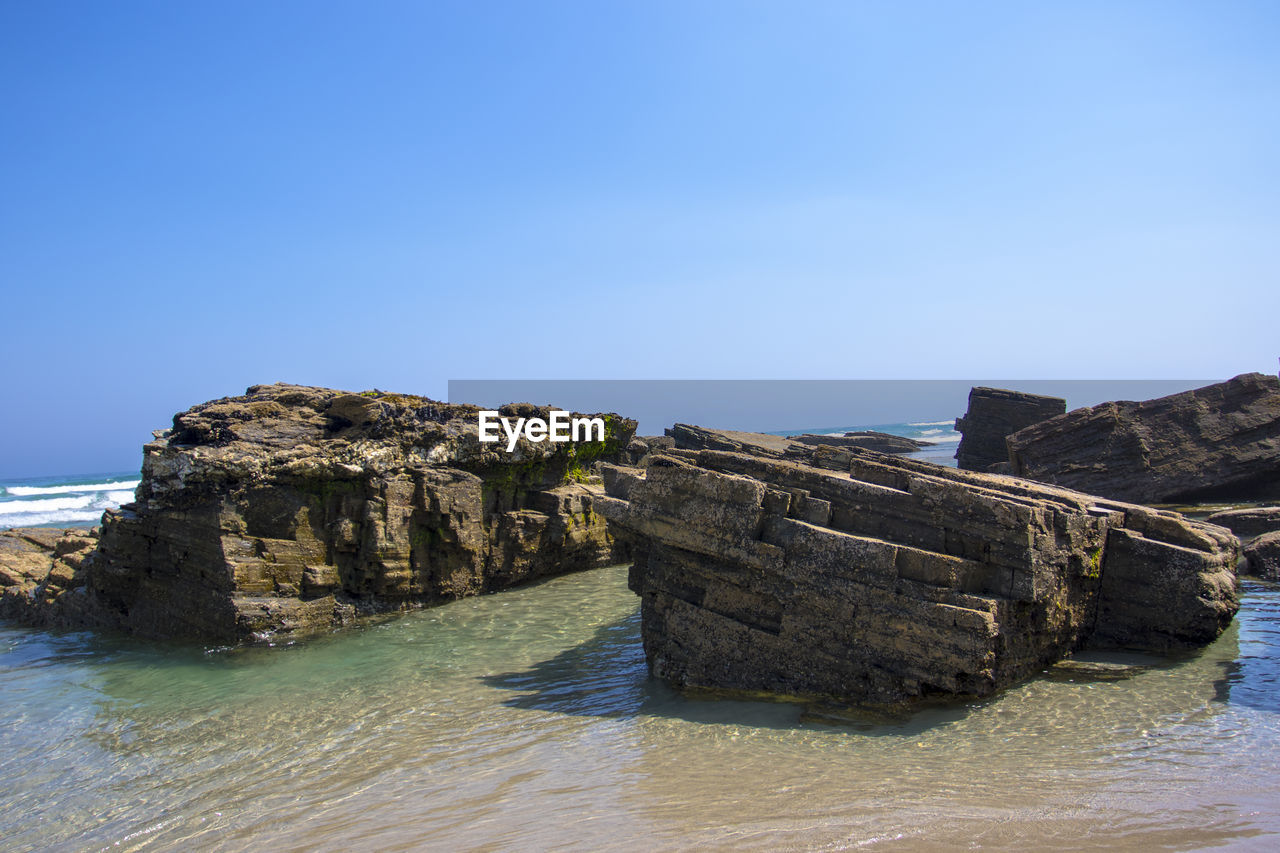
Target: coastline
x,y
534,707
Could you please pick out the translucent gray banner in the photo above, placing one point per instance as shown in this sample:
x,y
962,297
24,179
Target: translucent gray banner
x,y
787,406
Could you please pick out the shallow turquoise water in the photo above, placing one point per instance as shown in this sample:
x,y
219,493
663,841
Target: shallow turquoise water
x,y
525,720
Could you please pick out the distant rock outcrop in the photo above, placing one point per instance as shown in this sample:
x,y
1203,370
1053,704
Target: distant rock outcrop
x,y
689,437
295,509
868,578
1220,441
881,442
993,415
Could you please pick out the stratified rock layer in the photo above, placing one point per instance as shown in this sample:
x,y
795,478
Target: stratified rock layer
x,y
1220,441
881,442
992,416
297,509
886,580
690,437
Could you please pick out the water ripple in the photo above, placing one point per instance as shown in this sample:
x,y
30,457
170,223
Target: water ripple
x,y
527,720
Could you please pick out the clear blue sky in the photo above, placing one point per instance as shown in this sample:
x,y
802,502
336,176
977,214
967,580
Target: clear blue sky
x,y
201,196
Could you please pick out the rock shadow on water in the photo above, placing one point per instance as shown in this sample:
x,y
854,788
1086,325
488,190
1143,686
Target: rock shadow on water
x,y
606,676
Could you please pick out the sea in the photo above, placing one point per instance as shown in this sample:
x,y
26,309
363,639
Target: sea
x,y
75,501
526,720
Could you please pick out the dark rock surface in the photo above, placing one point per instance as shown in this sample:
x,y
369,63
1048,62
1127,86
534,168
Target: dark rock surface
x,y
294,509
1217,442
1250,522
878,580
689,437
992,416
1263,555
881,442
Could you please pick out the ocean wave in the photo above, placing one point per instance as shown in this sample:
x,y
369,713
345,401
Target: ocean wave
x,y
38,519
935,423
70,509
942,439
28,491
46,505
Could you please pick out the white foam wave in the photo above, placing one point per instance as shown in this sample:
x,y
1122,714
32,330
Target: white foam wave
x,y
935,423
34,519
28,491
46,505
71,509
942,439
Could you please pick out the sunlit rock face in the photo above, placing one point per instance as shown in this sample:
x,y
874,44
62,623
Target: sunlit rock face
x,y
293,509
871,579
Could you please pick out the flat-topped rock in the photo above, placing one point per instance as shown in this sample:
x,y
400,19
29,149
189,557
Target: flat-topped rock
x,y
689,437
881,442
1249,522
882,580
1217,442
992,416
293,509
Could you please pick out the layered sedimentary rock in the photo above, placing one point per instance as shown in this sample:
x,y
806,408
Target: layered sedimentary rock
x,y
872,579
992,416
881,442
1220,441
689,437
296,509
40,570
1250,522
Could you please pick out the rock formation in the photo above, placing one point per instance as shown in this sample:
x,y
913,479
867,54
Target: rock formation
x,y
1263,556
689,437
643,445
1250,522
296,509
41,572
1220,441
881,442
992,416
872,579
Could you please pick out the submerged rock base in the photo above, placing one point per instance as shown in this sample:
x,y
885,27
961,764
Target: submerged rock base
x,y
869,579
295,509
